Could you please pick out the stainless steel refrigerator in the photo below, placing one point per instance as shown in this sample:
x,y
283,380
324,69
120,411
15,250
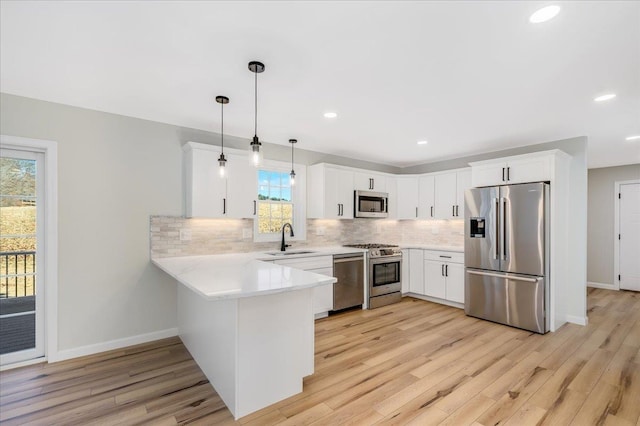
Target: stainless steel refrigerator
x,y
507,255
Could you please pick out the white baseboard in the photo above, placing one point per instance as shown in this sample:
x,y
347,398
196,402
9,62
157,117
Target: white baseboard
x,y
112,344
573,319
601,285
435,300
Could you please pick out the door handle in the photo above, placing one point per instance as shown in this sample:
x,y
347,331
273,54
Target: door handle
x,y
505,276
442,270
508,170
446,270
453,210
254,207
503,174
503,201
373,183
457,210
224,206
431,211
496,244
338,209
416,212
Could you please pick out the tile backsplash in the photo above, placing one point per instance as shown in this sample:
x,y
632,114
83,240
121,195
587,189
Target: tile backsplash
x,y
217,236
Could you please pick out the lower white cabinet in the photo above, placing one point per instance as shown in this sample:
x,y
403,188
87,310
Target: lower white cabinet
x,y
322,295
404,272
444,275
416,275
437,274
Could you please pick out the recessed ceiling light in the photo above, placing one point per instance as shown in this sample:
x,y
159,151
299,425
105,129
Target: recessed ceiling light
x,y
633,138
544,14
330,115
604,97
423,142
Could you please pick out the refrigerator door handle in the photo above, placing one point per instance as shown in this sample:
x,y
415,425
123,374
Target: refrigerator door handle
x,y
513,277
496,245
503,201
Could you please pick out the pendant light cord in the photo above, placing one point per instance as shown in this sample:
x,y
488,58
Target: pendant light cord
x,y
256,105
222,126
291,157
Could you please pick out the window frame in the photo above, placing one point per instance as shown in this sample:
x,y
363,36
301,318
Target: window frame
x,y
298,199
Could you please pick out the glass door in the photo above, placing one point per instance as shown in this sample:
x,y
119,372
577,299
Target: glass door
x,y
21,286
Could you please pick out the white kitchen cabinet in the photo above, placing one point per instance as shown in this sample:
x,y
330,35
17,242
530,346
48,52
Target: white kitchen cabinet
x,y
444,275
449,193
330,192
404,272
426,197
322,295
392,190
367,181
207,194
463,182
416,273
407,197
242,180
434,279
534,167
445,196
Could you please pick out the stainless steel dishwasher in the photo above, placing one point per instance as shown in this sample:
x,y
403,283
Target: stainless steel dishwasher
x,y
349,290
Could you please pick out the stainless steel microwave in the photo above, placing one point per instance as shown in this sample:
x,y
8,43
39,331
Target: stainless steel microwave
x,y
370,204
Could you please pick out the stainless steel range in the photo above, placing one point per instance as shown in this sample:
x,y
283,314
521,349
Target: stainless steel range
x,y
384,265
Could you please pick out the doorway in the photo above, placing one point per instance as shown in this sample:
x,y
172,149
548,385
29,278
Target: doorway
x,y
627,236
21,263
29,184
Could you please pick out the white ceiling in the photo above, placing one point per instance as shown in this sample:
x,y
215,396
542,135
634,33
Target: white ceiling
x,y
469,77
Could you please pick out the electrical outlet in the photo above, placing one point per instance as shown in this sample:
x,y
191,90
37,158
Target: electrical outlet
x,y
320,230
185,235
247,233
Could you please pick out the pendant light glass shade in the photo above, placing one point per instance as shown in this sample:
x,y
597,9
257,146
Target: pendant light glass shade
x,y
292,175
256,156
222,160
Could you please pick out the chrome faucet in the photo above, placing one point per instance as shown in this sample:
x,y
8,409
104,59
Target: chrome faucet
x,y
284,246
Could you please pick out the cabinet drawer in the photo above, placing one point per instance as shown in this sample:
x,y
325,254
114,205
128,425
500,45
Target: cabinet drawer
x,y
306,263
444,256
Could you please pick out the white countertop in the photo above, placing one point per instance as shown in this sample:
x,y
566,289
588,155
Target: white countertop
x,y
231,276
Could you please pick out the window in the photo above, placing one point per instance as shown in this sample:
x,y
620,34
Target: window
x,y
279,202
275,202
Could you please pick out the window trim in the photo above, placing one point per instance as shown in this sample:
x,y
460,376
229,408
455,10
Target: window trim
x,y
299,200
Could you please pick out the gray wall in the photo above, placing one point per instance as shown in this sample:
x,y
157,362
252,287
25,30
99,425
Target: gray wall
x,y
601,238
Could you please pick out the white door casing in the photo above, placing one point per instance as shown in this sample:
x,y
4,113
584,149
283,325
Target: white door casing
x,y
47,245
627,235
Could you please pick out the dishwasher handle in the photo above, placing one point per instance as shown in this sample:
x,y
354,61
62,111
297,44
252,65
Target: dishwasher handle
x,y
347,257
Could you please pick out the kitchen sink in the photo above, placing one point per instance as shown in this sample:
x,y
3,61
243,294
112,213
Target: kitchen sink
x,y
289,253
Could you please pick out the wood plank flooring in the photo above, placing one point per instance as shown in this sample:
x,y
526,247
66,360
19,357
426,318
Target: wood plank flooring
x,y
414,363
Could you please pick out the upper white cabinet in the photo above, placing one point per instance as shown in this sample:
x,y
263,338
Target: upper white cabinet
x,y
209,195
367,181
446,197
449,194
407,197
534,167
330,192
426,197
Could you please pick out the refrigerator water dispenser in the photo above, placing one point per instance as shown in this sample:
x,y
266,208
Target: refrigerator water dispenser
x,y
477,227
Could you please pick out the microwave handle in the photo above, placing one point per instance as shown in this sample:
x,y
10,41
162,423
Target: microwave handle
x,y
385,205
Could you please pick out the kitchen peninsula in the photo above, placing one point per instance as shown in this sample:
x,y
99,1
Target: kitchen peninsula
x,y
248,324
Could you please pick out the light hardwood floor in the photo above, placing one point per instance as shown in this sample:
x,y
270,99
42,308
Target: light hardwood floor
x,y
410,363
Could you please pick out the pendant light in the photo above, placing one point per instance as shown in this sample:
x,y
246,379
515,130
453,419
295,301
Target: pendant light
x,y
292,174
256,68
222,161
